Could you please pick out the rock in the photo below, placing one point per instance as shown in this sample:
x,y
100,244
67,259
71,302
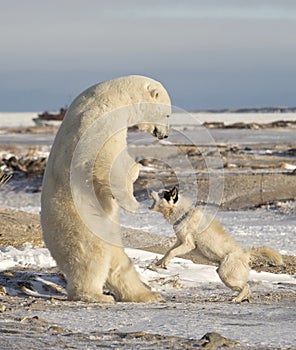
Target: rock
x,y
4,178
213,340
2,290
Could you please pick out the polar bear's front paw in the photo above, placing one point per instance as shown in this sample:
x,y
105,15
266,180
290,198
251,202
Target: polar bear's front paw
x,y
149,297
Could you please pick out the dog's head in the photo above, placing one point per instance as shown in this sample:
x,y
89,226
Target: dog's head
x,y
164,199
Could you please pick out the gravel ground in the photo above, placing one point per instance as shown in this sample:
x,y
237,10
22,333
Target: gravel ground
x,y
255,175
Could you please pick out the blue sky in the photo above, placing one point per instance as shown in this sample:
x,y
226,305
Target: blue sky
x,y
209,54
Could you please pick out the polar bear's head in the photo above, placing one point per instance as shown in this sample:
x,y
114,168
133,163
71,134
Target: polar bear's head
x,y
123,102
151,106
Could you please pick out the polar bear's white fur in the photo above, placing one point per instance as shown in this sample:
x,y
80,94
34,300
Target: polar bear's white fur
x,y
89,175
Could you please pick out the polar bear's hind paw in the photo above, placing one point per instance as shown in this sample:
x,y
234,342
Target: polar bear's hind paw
x,y
96,298
151,297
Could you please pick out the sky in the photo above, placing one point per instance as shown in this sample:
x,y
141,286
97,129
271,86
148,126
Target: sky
x,y
207,53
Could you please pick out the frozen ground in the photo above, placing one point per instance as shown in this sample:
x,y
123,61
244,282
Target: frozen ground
x,y
196,301
35,313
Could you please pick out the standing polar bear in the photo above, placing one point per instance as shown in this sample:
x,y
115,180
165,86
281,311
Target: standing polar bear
x,y
89,175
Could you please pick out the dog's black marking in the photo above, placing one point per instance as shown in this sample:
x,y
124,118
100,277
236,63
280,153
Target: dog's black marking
x,y
167,195
172,194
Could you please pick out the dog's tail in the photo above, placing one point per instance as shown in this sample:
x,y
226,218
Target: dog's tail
x,y
270,254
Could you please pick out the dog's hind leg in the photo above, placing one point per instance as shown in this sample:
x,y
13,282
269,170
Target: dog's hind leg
x,y
234,271
244,294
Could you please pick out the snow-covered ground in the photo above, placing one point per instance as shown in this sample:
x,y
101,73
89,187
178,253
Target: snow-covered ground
x,y
196,300
190,118
17,119
193,292
184,285
180,271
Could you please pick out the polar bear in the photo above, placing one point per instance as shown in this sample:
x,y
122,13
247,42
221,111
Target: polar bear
x,y
89,175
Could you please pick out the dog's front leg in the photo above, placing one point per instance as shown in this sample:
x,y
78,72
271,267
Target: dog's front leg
x,y
178,249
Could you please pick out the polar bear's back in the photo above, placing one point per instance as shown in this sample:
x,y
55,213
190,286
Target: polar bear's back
x,y
97,106
94,115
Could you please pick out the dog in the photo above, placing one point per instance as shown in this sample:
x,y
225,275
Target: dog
x,y
204,234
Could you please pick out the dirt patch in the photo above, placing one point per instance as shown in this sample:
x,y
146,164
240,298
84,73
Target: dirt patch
x,y
18,228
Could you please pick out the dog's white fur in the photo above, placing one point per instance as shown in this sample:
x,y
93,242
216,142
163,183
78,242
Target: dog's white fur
x,y
204,234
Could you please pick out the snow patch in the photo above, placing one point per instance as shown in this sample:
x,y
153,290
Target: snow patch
x,y
180,273
26,257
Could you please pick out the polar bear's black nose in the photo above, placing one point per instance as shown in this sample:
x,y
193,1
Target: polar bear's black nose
x,y
159,134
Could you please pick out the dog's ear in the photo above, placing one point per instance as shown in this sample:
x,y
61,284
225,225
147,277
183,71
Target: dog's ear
x,y
167,195
174,194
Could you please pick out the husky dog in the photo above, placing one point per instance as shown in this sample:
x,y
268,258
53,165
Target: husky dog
x,y
198,231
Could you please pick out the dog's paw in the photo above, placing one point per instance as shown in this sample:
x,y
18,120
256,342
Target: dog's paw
x,y
151,267
161,264
238,300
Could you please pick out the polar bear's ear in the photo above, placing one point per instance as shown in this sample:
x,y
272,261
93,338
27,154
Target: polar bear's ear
x,y
153,91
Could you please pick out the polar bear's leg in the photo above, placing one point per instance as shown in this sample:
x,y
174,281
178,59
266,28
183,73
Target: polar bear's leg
x,y
124,281
86,274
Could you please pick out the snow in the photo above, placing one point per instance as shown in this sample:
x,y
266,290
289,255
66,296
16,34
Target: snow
x,y
188,118
26,257
189,274
194,301
181,272
17,119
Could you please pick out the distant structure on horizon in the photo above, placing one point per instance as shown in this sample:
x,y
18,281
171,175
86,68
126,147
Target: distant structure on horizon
x,y
50,118
54,118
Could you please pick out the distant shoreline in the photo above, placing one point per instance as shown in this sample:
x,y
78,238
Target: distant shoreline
x,y
273,109
180,118
247,110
